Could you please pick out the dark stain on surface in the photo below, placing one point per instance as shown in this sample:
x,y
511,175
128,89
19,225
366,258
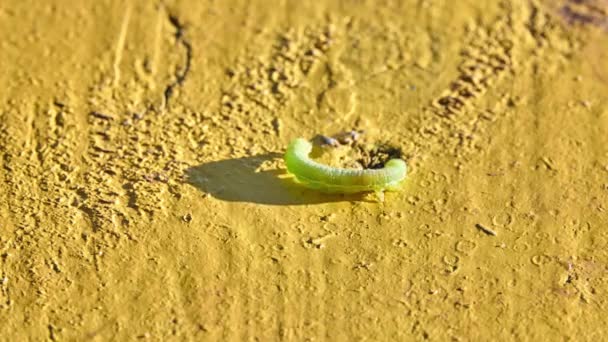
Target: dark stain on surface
x,y
586,12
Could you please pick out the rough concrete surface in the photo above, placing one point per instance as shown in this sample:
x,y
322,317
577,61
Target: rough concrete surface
x,y
143,195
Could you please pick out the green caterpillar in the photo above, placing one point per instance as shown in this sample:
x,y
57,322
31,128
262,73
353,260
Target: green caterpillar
x,y
328,179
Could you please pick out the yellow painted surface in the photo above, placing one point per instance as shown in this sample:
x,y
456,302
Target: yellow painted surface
x,y
142,193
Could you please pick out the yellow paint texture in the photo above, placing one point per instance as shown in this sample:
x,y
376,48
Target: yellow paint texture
x,y
143,195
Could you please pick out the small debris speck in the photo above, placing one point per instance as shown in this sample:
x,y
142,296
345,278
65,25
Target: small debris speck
x,y
485,229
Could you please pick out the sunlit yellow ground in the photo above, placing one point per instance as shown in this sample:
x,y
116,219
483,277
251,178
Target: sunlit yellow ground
x,y
142,193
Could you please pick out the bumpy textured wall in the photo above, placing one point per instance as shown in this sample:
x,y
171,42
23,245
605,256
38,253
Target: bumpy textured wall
x,y
142,194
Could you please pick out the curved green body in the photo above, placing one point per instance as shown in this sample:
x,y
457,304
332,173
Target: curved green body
x,y
336,180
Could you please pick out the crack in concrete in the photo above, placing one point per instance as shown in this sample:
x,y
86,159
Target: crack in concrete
x,y
180,76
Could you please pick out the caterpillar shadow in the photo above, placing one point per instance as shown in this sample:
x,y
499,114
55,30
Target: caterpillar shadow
x,y
240,180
